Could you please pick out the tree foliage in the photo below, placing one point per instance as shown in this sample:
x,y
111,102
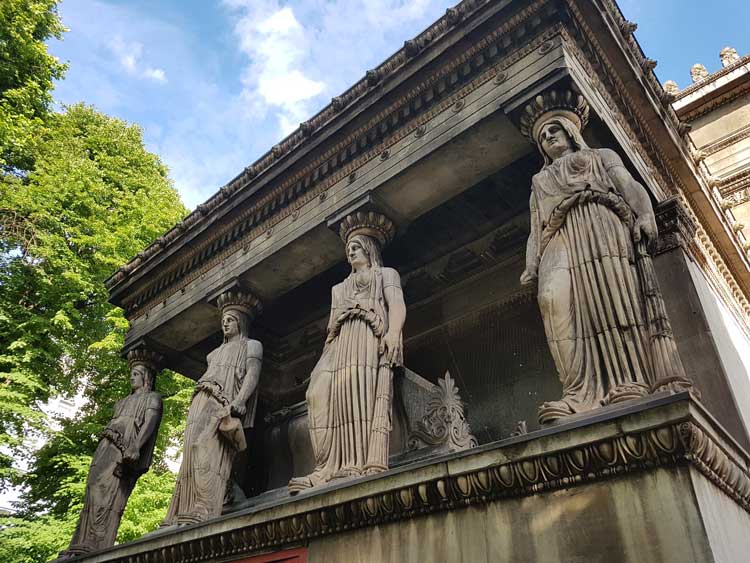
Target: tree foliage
x,y
27,72
79,196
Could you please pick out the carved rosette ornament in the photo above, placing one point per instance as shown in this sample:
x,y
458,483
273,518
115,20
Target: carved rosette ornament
x,y
444,424
124,453
350,391
592,231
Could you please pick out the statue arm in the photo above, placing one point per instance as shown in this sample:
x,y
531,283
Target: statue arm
x,y
250,381
394,299
151,420
529,275
635,196
331,316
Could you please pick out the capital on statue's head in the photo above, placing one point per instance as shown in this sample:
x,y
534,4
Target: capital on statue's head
x,y
242,301
553,103
371,224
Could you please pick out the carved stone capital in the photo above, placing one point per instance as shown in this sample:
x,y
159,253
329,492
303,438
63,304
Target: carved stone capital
x,y
242,301
145,357
676,227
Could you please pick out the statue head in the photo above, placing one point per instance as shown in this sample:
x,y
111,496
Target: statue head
x,y
144,365
363,251
554,121
557,137
233,323
238,309
365,235
141,377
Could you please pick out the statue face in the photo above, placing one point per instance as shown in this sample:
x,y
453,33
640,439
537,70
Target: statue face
x,y
554,140
356,255
230,324
138,377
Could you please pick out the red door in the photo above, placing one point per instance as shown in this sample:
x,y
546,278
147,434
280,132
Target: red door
x,y
296,555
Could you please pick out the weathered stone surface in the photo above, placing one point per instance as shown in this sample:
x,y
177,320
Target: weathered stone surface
x,y
123,455
349,397
628,472
591,228
223,405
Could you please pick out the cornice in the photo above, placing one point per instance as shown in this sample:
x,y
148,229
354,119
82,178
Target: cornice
x,y
706,251
734,183
725,142
339,104
408,114
715,102
477,476
712,77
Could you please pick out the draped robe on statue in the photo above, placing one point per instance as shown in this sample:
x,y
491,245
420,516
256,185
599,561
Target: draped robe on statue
x,y
207,455
590,280
349,396
110,481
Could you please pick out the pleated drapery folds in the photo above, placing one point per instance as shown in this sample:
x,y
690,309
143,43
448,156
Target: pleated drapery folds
x,y
349,396
604,316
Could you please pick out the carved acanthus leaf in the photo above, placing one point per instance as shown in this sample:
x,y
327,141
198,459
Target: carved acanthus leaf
x,y
444,423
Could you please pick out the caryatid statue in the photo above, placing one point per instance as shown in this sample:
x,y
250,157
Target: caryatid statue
x,y
123,455
223,404
349,394
591,226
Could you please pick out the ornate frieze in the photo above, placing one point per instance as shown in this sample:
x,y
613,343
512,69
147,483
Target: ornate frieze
x,y
723,143
678,439
406,115
676,227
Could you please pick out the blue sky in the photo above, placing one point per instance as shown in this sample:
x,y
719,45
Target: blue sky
x,y
214,84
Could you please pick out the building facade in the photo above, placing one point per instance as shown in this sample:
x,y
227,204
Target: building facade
x,y
433,139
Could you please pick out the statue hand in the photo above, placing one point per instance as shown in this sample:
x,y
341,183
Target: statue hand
x,y
238,410
645,227
131,455
390,346
528,277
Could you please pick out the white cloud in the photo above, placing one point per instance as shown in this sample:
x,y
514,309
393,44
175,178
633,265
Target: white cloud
x,y
231,82
129,55
276,45
157,74
302,53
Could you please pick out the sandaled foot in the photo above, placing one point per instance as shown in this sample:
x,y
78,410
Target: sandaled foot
x,y
554,410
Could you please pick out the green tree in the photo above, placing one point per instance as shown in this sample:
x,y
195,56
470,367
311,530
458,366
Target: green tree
x,y
94,198
27,73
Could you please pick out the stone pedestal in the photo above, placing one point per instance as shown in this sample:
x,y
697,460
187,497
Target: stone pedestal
x,y
657,480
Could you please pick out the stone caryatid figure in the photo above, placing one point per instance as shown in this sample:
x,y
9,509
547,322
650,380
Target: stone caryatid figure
x,y
122,456
591,224
349,394
223,404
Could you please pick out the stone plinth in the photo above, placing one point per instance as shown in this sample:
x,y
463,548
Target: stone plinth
x,y
642,482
